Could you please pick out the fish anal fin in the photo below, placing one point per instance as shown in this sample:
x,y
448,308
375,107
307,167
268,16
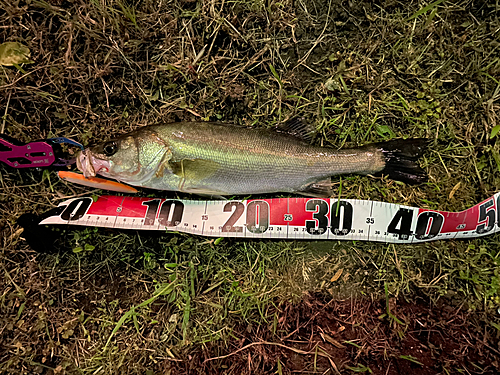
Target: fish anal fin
x,y
212,194
297,127
319,189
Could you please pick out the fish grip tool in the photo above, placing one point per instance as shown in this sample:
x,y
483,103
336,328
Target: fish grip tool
x,y
37,154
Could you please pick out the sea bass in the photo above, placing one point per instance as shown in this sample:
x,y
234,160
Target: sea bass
x,y
213,159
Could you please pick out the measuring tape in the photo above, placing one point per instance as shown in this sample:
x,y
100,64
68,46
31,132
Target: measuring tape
x,y
282,218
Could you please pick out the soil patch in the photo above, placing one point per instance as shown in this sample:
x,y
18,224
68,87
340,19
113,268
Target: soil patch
x,y
357,336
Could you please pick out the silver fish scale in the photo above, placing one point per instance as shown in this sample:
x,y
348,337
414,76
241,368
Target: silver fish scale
x,y
226,160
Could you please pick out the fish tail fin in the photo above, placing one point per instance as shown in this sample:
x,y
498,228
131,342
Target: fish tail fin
x,y
401,159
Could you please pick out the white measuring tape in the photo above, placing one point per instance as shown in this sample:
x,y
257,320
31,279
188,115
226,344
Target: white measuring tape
x,y
282,218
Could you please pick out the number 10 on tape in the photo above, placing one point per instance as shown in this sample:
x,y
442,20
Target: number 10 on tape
x,y
282,218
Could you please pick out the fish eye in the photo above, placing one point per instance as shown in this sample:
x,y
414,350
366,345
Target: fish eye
x,y
110,148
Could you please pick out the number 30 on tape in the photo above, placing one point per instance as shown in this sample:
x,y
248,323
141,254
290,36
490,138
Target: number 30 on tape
x,y
283,218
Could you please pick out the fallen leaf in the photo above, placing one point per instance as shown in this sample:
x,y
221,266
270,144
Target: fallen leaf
x,y
337,275
332,341
67,334
454,190
14,53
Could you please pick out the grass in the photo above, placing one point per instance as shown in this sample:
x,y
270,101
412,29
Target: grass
x,y
107,301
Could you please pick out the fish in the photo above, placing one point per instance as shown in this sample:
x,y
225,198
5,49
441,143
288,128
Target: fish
x,y
209,158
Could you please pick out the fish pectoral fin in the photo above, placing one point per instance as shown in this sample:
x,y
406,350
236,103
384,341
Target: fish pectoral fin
x,y
194,169
161,169
164,165
319,189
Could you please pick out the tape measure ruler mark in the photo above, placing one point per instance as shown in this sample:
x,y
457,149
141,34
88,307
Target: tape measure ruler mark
x,y
284,218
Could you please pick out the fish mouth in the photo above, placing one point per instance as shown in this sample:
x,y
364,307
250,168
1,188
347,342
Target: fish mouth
x,y
91,165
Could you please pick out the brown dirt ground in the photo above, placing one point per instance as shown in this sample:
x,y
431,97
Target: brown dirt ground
x,y
438,337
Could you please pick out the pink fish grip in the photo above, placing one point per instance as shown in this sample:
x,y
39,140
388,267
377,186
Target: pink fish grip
x,y
30,155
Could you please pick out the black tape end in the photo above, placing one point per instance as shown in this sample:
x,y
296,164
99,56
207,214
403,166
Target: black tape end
x,y
40,238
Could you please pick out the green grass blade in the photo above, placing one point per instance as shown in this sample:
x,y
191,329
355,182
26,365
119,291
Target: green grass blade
x,y
276,75
425,9
411,359
167,289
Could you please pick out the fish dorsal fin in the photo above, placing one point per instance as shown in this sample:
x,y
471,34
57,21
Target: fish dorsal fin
x,y
320,189
297,127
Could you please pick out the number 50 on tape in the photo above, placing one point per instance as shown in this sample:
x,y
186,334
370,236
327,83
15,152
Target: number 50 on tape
x,y
282,218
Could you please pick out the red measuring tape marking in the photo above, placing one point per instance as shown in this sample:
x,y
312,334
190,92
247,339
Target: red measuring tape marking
x,y
283,218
